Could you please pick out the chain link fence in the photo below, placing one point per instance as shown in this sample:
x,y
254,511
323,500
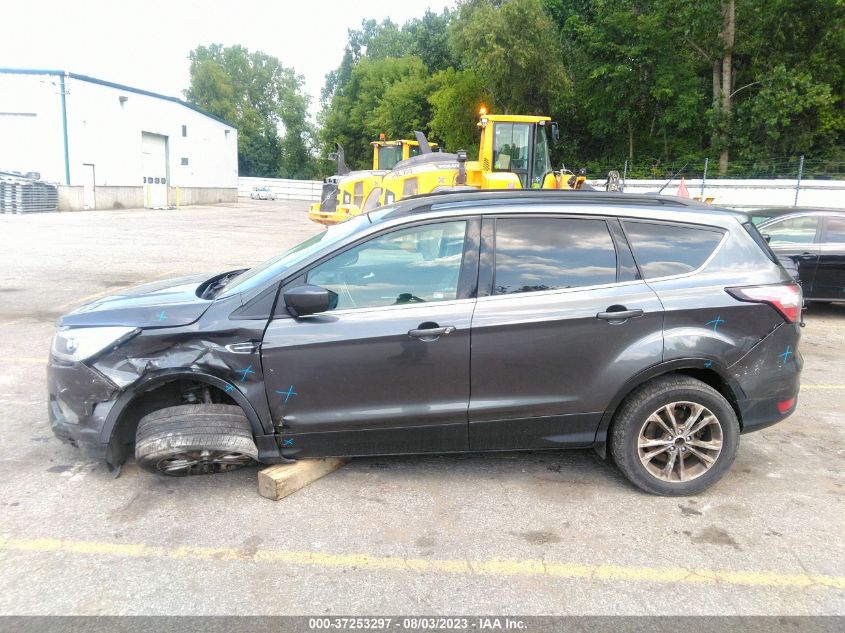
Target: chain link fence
x,y
787,176
787,167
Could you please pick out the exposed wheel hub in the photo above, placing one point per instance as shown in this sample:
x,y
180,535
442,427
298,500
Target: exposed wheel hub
x,y
202,462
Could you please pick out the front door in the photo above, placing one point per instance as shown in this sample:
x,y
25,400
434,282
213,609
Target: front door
x,y
564,326
387,370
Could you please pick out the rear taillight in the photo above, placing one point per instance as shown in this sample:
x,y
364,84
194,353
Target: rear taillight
x,y
785,298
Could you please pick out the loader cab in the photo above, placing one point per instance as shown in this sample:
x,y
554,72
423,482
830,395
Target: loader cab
x,y
516,144
387,153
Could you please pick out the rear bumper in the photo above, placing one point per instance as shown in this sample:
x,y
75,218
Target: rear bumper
x,y
770,376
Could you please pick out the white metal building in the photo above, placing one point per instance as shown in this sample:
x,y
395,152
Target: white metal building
x,y
113,146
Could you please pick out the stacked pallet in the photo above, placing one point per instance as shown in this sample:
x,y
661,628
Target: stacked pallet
x,y
22,195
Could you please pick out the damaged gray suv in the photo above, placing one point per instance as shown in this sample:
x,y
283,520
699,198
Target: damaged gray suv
x,y
650,328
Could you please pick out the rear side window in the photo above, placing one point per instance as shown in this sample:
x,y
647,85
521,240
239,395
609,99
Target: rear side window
x,y
534,254
667,249
800,230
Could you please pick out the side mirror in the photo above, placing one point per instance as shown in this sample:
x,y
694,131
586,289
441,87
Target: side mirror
x,y
309,299
767,237
555,132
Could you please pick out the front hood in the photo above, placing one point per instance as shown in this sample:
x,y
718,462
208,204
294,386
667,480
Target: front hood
x,y
168,303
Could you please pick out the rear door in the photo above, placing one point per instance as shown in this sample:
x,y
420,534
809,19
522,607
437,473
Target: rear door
x,y
564,323
830,272
797,238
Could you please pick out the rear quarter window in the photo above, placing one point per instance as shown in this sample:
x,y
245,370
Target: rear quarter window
x,y
662,250
751,229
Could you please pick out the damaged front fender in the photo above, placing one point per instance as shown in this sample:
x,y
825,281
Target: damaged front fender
x,y
154,380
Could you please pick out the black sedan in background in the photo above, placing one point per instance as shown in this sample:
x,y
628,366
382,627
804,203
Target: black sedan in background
x,y
813,241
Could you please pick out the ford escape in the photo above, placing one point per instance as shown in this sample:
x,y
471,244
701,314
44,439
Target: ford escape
x,y
650,328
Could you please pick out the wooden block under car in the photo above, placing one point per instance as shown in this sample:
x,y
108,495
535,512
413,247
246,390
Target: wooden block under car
x,y
281,480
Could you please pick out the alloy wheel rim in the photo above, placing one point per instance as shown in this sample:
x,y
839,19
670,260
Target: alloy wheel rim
x,y
680,442
201,462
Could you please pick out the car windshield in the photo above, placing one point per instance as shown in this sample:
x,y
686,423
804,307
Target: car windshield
x,y
388,156
258,275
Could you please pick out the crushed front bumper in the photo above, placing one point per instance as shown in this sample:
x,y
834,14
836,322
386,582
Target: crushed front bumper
x,y
78,403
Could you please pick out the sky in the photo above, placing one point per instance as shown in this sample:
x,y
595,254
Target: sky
x,y
145,43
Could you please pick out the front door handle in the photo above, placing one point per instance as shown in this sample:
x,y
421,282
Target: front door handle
x,y
620,315
807,256
433,332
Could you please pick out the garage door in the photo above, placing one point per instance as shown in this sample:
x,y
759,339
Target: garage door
x,y
154,163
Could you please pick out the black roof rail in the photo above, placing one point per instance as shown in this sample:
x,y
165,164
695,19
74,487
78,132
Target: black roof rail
x,y
423,202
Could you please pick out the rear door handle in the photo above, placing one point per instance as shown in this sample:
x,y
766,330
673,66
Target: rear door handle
x,y
620,315
431,332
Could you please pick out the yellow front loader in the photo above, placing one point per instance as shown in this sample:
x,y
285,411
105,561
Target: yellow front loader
x,y
513,154
345,193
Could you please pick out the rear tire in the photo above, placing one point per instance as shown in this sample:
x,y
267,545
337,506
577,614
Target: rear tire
x,y
674,436
195,439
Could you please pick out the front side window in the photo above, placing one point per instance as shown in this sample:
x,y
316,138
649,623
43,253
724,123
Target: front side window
x,y
664,249
510,148
413,265
792,230
534,254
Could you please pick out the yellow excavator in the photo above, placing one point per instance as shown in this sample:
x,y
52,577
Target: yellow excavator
x,y
344,193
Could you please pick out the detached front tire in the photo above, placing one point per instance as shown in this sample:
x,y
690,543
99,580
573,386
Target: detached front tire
x,y
674,436
195,439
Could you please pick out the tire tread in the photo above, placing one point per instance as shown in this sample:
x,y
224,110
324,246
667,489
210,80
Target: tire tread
x,y
629,415
192,427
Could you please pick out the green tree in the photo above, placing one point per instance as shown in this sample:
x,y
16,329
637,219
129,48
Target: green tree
x,y
514,49
382,95
429,40
455,105
790,79
261,97
404,106
633,89
661,82
375,41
